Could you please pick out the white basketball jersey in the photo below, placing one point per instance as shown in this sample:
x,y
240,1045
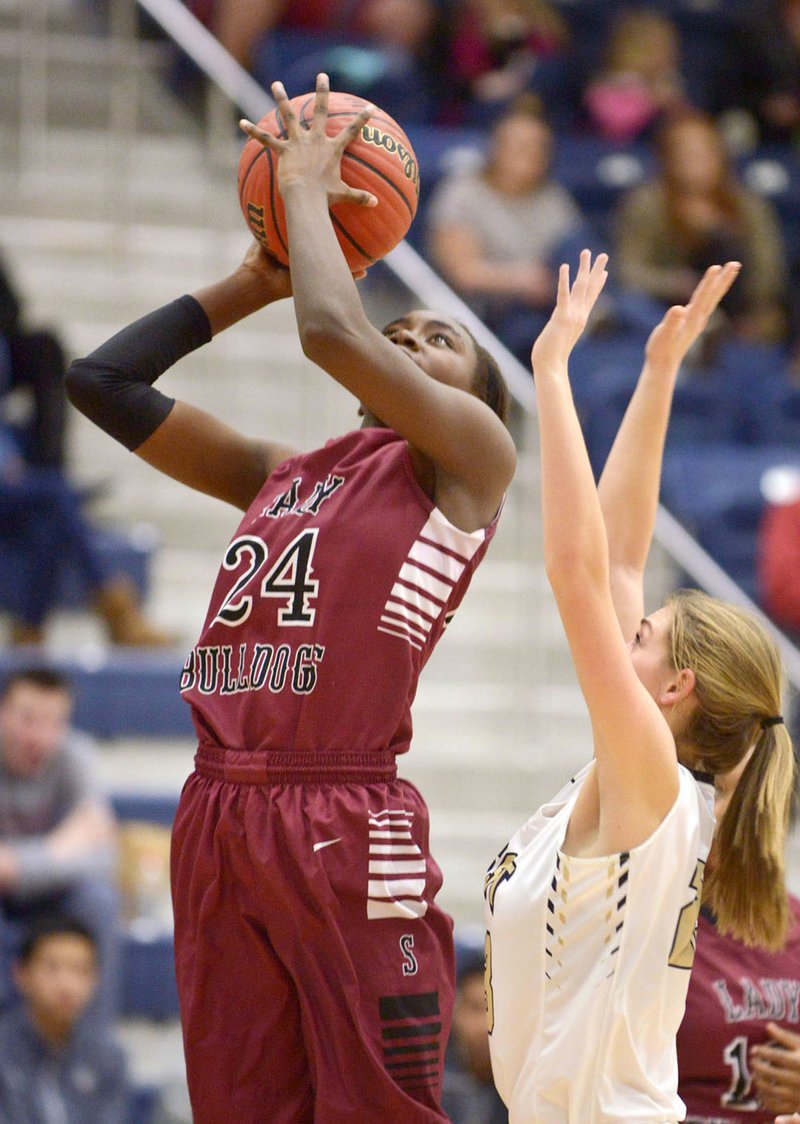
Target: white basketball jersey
x,y
588,964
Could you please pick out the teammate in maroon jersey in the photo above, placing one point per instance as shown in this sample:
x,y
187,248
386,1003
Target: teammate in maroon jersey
x,y
315,969
739,1043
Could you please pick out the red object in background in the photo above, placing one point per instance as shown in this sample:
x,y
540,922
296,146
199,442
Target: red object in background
x,y
778,563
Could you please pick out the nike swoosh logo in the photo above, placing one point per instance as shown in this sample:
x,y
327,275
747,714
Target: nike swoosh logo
x,y
326,843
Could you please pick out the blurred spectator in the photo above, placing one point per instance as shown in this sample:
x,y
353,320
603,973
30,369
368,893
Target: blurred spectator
x,y
640,79
55,1066
764,71
502,48
57,832
778,553
35,366
468,1092
173,1106
42,524
388,51
498,234
739,1043
694,213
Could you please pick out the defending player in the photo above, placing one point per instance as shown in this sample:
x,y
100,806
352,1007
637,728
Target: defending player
x,y
315,969
592,906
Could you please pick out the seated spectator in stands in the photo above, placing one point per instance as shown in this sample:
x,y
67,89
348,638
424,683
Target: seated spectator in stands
x,y
640,79
56,1065
388,51
778,552
693,213
35,366
764,69
41,520
498,234
739,1043
57,832
468,1092
500,48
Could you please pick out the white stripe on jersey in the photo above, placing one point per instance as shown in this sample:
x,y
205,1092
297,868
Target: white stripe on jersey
x,y
414,598
407,907
440,530
398,610
444,549
397,866
399,887
444,564
392,862
402,635
421,579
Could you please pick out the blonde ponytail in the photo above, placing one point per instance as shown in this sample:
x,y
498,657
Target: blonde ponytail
x,y
738,689
746,885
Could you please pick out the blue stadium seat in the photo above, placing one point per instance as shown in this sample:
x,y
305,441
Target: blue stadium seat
x,y
149,989
388,77
773,171
715,491
119,693
122,552
158,808
142,1104
597,172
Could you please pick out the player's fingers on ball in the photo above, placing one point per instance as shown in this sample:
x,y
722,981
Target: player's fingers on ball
x,y
323,90
285,108
354,127
356,195
267,139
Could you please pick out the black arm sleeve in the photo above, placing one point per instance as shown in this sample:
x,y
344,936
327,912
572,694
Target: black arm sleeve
x,y
113,386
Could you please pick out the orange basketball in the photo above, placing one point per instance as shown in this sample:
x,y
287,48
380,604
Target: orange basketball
x,y
380,160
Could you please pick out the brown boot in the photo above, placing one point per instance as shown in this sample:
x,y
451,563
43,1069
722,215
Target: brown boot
x,y
23,633
118,605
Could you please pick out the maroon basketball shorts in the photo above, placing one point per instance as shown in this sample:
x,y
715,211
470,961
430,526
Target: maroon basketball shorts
x,y
314,970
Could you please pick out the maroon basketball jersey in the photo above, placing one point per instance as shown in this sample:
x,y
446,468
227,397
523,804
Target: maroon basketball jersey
x,y
733,993
332,594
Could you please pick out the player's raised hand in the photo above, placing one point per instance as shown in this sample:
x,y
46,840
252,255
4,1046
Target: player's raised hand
x,y
307,154
682,324
574,304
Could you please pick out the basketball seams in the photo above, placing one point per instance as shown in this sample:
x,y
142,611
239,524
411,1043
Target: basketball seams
x,y
272,204
381,175
251,165
368,258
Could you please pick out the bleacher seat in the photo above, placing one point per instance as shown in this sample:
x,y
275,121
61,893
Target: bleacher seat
x,y
122,552
715,491
149,989
142,1104
119,693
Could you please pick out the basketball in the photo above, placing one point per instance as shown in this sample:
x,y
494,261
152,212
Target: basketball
x,y
380,160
